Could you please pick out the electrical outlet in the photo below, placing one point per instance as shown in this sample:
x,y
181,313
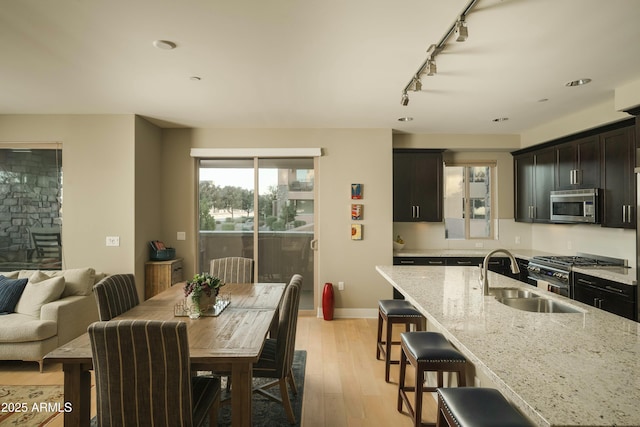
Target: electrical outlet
x,y
569,245
181,235
113,241
517,240
341,286
479,245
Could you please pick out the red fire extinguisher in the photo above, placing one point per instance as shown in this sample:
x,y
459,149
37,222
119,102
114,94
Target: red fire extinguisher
x,y
327,301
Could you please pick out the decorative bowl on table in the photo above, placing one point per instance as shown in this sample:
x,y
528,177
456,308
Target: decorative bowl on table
x,y
397,246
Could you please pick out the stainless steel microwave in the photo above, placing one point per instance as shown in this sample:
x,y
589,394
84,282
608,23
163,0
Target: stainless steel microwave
x,y
575,206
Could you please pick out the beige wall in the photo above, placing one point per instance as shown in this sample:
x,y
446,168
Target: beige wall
x,y
148,192
349,156
98,191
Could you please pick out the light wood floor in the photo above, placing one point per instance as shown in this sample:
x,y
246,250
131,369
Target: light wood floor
x,y
344,383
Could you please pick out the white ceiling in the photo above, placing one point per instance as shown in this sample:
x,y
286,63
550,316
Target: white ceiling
x,y
315,64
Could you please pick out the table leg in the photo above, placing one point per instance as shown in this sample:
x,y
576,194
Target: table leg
x,y
77,392
241,375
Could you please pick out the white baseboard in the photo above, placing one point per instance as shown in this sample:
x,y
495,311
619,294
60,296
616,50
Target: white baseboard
x,y
352,313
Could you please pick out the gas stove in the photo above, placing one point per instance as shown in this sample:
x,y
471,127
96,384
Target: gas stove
x,y
579,260
553,273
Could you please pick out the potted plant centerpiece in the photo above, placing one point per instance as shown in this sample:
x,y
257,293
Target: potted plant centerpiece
x,y
203,285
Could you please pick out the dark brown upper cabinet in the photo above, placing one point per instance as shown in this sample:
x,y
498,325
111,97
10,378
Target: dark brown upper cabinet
x,y
578,164
417,185
535,178
618,189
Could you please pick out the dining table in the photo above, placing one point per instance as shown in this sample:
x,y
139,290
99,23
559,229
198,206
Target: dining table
x,y
229,342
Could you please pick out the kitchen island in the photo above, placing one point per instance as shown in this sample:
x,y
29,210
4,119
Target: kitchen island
x,y
559,369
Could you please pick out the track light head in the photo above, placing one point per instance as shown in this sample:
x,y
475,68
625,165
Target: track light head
x,y
417,84
431,68
405,99
461,31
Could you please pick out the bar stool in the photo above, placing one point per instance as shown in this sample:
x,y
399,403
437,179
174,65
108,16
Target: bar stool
x,y
427,352
395,311
477,407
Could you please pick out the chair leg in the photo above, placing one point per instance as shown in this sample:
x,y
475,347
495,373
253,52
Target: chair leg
x,y
380,321
417,406
286,402
403,371
387,356
292,383
213,412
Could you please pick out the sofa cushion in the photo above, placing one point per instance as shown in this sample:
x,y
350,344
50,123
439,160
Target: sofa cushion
x,y
40,290
78,281
11,274
17,327
10,292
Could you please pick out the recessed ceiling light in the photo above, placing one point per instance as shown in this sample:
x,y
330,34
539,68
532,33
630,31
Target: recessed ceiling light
x,y
405,119
578,82
164,44
501,119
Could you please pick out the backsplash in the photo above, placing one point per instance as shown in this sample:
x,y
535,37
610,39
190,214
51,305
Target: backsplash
x,y
561,239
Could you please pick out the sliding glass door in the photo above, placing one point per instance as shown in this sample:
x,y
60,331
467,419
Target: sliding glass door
x,y
278,234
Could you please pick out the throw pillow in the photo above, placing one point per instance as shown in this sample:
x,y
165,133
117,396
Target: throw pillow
x,y
10,292
39,292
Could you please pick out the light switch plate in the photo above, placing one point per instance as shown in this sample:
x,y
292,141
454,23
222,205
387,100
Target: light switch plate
x,y
181,235
113,241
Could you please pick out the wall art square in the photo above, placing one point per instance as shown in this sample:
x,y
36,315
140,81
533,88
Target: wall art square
x,y
357,212
356,191
356,231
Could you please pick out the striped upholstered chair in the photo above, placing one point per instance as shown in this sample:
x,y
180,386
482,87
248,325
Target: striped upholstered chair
x,y
143,376
115,295
276,359
233,269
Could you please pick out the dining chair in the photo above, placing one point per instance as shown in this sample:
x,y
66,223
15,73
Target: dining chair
x,y
276,359
115,294
233,269
143,376
48,249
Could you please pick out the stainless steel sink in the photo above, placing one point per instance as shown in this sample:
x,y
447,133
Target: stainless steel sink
x,y
537,305
512,293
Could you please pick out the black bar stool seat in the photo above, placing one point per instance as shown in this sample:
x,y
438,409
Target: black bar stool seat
x,y
477,407
427,352
395,311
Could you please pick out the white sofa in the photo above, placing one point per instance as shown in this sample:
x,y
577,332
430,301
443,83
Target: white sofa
x,y
44,318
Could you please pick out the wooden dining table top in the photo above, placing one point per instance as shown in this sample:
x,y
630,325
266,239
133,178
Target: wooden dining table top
x,y
236,335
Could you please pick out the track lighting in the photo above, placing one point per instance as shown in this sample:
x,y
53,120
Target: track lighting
x,y
405,99
461,30
458,29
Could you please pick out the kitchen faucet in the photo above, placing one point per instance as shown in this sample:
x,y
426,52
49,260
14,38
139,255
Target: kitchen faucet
x,y
485,266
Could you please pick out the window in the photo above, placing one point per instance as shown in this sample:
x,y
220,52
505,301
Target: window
x,y
30,206
468,205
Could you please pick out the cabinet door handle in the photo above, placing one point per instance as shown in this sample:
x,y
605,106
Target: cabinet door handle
x,y
405,261
435,262
418,211
581,280
611,288
630,210
463,262
624,213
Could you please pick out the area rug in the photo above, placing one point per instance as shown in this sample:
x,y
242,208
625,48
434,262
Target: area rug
x,y
30,405
266,412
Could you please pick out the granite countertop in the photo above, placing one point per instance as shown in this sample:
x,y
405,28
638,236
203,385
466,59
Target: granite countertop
x,y
628,276
572,369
